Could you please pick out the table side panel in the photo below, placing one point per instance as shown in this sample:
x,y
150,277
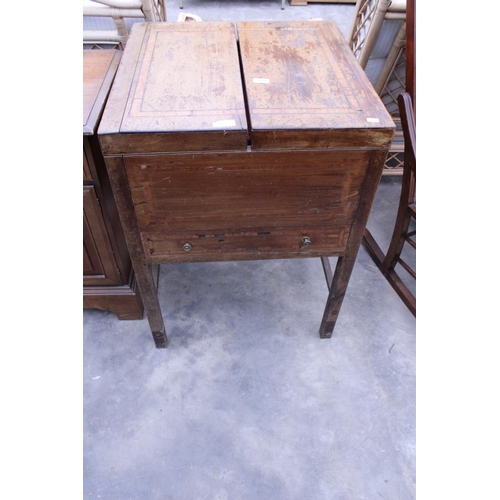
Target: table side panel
x,y
230,203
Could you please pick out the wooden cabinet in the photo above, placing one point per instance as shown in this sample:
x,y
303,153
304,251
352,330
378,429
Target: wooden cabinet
x,y
108,278
268,145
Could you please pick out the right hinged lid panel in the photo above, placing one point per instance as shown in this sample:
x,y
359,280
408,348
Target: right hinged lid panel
x,y
305,89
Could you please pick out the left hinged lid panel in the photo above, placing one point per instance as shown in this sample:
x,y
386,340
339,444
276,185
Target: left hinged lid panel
x,y
178,88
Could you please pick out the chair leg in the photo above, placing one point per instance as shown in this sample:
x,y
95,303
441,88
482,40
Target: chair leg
x,y
403,220
337,291
390,274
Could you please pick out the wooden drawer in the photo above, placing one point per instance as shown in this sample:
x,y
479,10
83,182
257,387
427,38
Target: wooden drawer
x,y
273,243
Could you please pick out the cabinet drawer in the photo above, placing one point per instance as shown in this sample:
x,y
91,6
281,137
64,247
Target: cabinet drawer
x,y
251,245
99,263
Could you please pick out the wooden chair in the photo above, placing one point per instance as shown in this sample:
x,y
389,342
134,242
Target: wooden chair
x,y
377,38
406,211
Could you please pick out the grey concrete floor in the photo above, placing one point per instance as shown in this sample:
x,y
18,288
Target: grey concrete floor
x,y
247,402
262,10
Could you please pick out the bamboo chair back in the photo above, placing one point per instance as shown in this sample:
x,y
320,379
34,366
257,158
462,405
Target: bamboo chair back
x,y
108,22
377,38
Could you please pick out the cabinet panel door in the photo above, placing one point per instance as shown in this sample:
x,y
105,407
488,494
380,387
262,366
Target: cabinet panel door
x,y
99,264
88,161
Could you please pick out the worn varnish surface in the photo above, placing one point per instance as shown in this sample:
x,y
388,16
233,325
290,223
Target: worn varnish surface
x,y
313,94
245,206
181,80
195,182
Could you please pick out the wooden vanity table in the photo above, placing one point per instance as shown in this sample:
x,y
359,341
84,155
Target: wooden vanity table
x,y
262,140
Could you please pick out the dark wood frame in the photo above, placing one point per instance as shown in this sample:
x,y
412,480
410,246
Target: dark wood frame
x,y
109,282
406,211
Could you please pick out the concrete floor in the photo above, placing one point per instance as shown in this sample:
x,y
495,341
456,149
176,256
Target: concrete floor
x,y
247,402
262,10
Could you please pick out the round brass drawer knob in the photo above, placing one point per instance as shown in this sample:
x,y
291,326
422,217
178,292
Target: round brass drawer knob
x,y
187,247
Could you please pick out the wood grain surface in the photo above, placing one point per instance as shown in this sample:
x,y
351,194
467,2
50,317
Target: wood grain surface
x,y
304,86
186,79
193,182
219,192
98,71
245,205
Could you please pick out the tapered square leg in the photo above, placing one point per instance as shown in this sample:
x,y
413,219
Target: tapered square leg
x,y
336,295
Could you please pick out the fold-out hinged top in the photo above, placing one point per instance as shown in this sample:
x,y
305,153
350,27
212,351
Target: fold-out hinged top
x,y
305,89
181,81
184,87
